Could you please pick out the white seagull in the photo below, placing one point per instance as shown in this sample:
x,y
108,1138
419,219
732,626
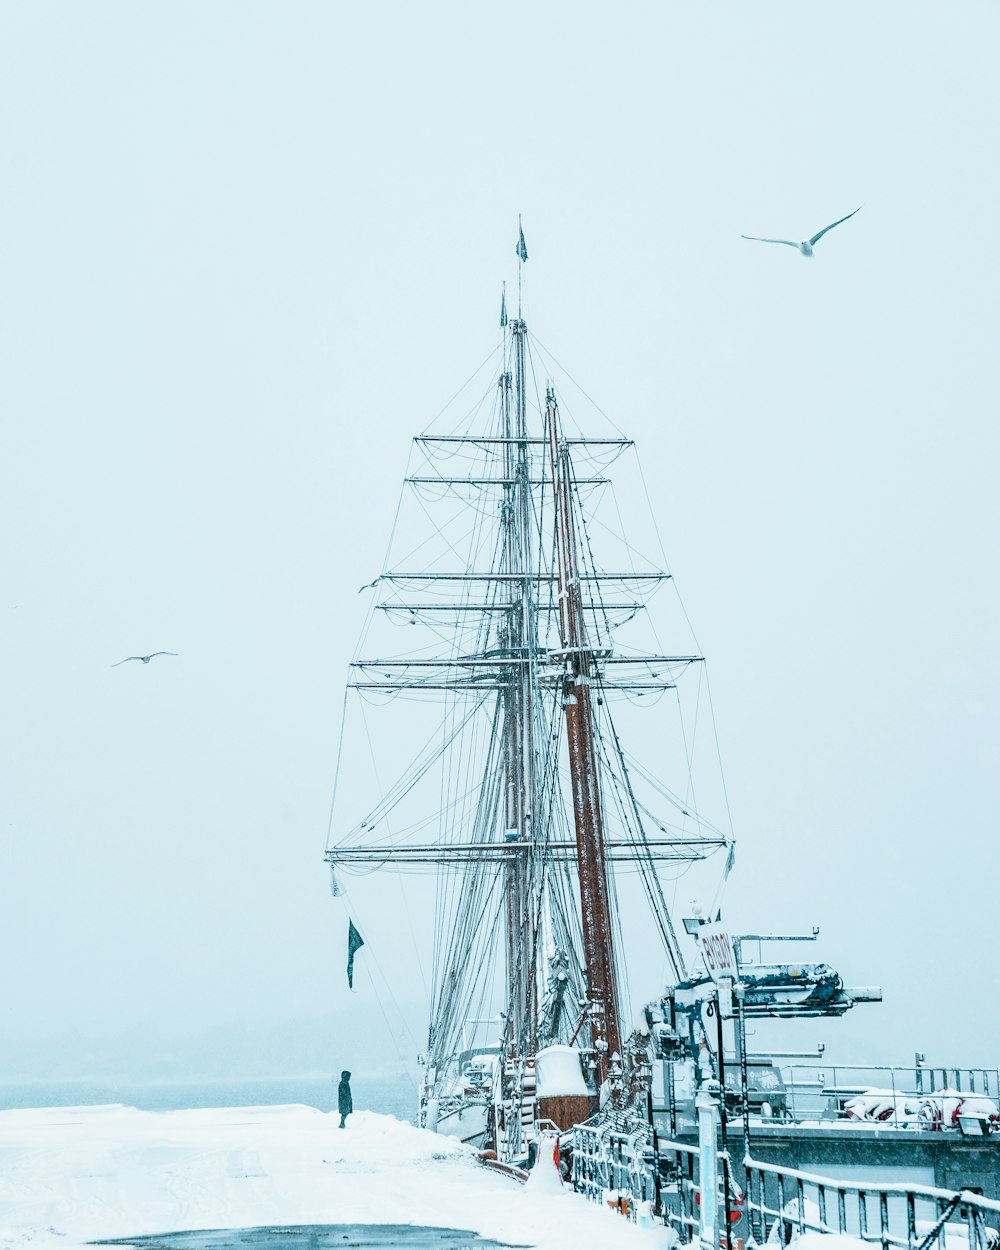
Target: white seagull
x,y
805,246
145,658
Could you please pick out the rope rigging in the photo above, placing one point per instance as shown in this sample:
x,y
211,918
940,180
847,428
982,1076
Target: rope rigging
x,y
472,569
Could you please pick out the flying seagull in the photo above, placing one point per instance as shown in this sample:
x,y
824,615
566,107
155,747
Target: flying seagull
x,y
805,246
145,658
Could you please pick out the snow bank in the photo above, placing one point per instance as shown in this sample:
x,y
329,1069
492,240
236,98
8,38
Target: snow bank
x,y
69,1175
545,1176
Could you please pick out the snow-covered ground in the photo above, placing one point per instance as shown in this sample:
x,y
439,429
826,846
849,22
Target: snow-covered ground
x,y
69,1175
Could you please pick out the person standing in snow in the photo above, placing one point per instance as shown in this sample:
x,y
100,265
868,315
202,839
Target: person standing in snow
x,y
345,1104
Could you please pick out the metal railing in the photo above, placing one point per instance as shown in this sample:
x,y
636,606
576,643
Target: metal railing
x,y
679,1189
629,1165
912,1095
636,1166
894,1216
607,1158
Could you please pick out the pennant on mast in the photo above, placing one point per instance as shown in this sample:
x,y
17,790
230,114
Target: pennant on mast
x,y
354,943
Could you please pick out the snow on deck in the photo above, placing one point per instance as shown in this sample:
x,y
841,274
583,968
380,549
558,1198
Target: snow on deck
x,y
69,1175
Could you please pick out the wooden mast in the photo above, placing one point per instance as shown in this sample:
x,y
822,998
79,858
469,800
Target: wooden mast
x,y
602,990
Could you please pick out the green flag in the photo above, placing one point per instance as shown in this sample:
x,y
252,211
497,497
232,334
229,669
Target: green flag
x,y
522,247
354,943
503,307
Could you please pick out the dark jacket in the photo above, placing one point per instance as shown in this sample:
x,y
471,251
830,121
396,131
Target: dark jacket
x,y
345,1104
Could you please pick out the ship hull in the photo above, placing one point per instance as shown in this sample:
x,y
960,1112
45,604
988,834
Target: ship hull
x,y
467,1123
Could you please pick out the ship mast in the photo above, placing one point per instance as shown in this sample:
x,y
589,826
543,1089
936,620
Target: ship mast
x,y
518,869
580,670
520,644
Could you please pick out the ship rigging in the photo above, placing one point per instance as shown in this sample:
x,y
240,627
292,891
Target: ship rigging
x,y
540,807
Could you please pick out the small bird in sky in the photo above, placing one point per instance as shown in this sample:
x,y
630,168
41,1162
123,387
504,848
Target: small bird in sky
x,y
145,658
805,246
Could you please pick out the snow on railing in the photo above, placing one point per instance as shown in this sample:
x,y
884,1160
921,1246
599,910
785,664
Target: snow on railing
x,y
628,1167
614,1165
914,1217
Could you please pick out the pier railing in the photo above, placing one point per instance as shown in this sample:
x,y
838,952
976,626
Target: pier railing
x,y
678,1190
893,1216
619,1160
627,1165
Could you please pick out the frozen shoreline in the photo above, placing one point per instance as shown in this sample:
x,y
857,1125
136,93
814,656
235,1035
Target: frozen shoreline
x,y
69,1175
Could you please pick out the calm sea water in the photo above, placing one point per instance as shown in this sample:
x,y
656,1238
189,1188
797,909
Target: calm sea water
x,y
391,1095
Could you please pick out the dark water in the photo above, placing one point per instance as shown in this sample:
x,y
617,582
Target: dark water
x,y
389,1095
315,1237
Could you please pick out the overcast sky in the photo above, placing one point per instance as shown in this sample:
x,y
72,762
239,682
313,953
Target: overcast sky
x,y
249,249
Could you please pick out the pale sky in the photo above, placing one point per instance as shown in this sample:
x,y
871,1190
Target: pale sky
x,y
249,249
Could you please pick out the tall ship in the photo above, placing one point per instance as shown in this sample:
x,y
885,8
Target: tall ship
x,y
546,791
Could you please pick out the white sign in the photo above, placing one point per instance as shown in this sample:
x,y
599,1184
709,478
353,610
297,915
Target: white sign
x,y
717,951
726,998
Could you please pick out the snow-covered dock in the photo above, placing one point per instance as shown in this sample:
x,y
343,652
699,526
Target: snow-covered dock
x,y
71,1175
